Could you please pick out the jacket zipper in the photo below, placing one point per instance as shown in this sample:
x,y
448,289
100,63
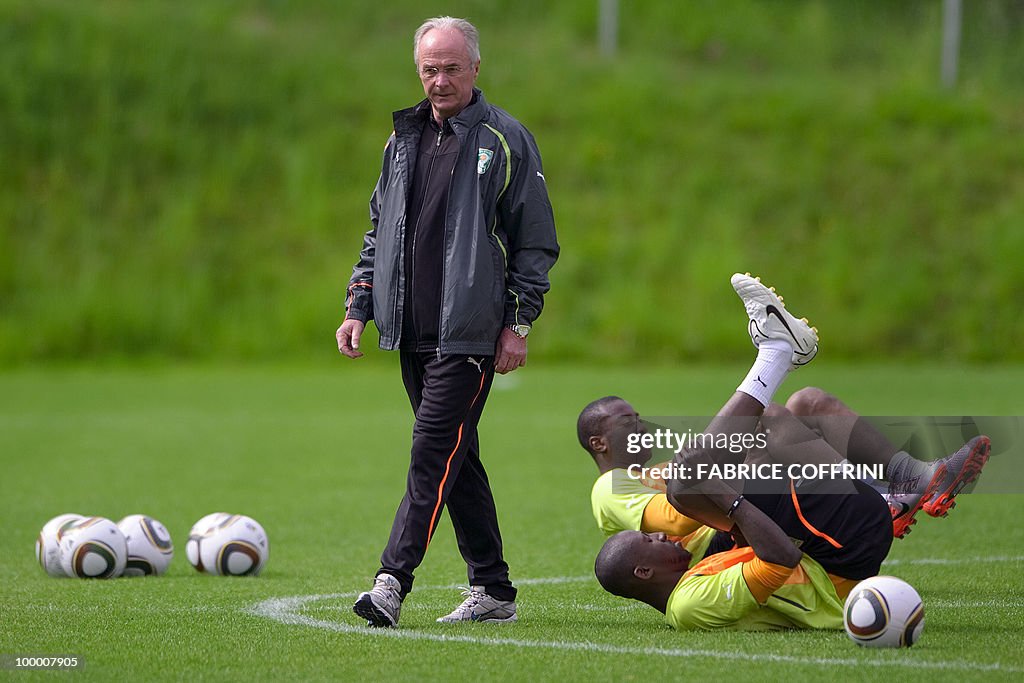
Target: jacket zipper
x,y
444,242
416,231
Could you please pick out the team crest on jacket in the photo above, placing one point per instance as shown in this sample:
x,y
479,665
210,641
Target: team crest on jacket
x,y
483,160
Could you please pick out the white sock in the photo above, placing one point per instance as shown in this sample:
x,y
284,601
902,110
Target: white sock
x,y
774,357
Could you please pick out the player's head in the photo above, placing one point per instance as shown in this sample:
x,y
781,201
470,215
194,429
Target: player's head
x,y
603,429
641,566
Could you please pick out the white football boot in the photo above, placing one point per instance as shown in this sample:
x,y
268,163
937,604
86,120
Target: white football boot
x,y
769,319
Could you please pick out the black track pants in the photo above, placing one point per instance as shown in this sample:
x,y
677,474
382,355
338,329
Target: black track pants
x,y
447,396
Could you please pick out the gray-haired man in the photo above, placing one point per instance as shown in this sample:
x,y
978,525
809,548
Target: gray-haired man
x,y
453,273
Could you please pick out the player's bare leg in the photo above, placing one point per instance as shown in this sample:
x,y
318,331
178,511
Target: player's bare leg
x,y
913,484
783,342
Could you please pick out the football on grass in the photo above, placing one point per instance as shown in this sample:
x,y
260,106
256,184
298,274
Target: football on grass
x,y
150,549
228,545
93,548
884,611
48,543
200,530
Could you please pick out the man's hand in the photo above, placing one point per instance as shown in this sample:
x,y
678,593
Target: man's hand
x,y
348,337
510,352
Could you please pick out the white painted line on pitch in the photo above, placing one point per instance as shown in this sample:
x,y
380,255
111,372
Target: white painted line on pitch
x,y
553,579
288,611
973,604
955,560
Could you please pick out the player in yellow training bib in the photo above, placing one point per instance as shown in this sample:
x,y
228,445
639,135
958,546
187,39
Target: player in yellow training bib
x,y
797,550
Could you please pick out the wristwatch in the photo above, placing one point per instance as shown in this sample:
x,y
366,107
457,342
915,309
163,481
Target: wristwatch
x,y
519,330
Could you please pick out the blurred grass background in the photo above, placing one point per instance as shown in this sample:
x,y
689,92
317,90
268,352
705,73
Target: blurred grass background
x,y
189,180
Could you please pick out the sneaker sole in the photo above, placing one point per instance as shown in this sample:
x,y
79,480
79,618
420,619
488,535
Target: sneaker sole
x,y
377,618
506,620
940,503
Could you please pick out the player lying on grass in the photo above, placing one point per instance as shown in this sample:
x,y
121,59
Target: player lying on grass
x,y
801,553
620,502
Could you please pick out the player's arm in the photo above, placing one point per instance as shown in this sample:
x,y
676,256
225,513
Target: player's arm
x,y
739,415
769,541
659,515
764,578
775,556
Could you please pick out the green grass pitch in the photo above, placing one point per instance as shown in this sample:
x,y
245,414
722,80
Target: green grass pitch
x,y
318,456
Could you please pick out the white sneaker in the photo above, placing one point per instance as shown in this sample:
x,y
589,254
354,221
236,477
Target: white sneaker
x,y
479,606
381,605
769,319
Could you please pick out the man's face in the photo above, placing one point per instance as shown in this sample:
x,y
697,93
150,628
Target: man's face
x,y
619,423
446,71
658,553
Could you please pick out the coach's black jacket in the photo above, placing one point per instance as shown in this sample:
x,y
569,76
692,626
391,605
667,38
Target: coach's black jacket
x,y
499,237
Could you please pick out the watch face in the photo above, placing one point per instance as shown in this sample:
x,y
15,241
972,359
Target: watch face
x,y
521,330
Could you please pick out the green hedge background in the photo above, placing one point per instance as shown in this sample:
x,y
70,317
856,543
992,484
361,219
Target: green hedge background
x,y
189,179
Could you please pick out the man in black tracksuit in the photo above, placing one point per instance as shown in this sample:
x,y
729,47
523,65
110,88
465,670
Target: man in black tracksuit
x,y
453,274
